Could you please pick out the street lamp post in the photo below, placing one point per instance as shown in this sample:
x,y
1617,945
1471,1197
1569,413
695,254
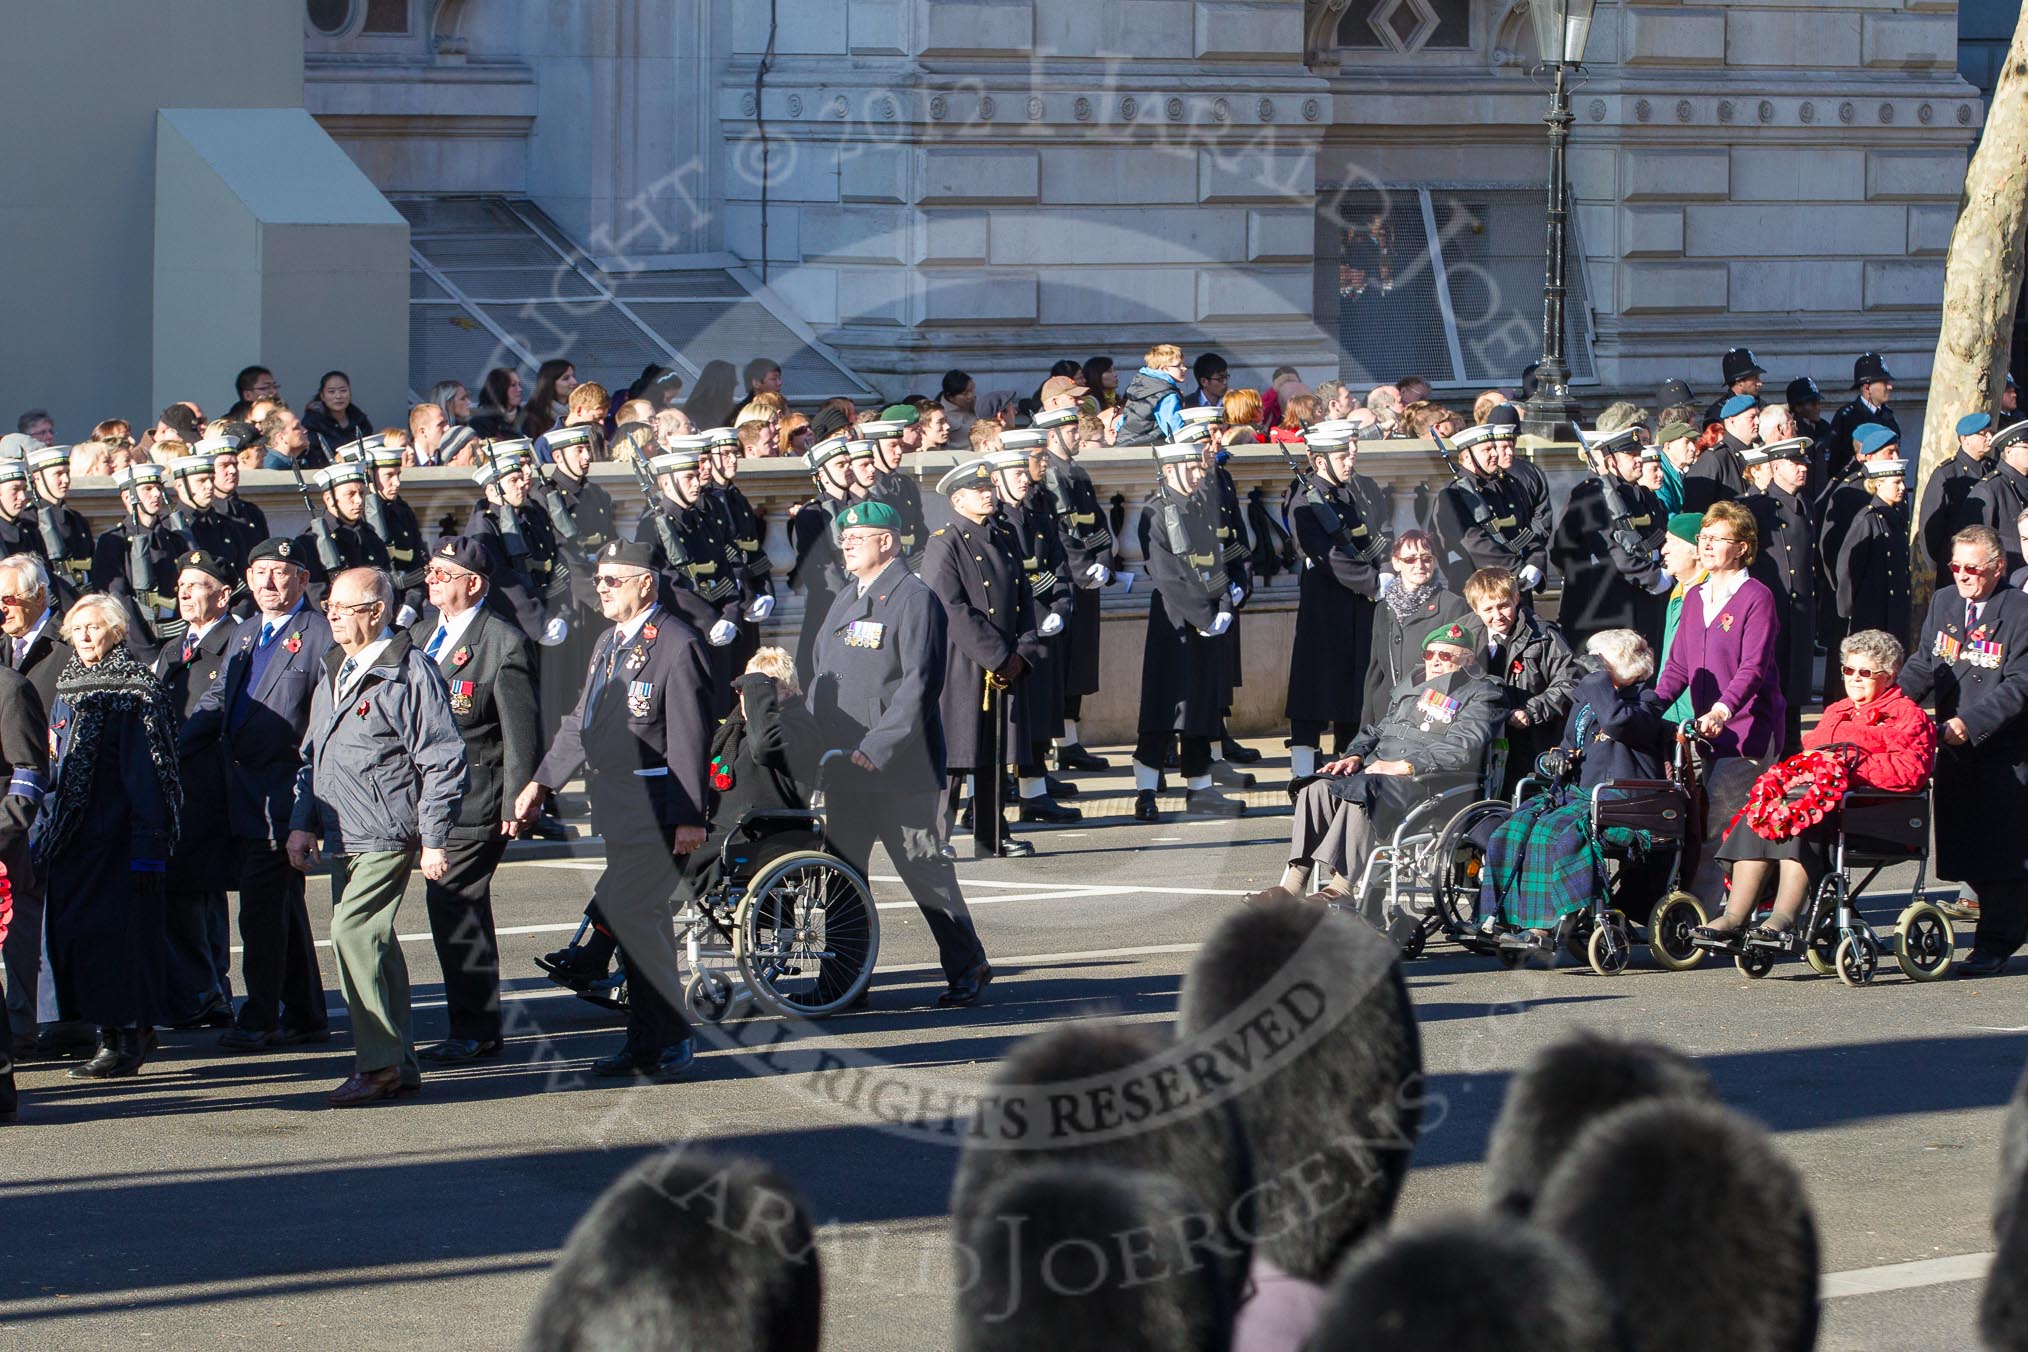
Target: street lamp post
x,y
1562,27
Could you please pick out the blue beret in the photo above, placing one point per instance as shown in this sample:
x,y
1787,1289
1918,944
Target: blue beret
x,y
1738,404
1974,422
1873,437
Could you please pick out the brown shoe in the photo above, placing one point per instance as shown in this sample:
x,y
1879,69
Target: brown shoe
x,y
1267,896
367,1086
1329,896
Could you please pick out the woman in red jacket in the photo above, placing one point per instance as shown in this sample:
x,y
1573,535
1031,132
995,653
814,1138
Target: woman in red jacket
x,y
1896,750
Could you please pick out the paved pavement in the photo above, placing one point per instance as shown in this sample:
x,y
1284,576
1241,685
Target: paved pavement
x,y
213,1201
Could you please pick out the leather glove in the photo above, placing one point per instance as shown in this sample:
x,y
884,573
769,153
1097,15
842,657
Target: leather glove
x,y
759,609
1553,762
1100,574
1013,669
555,632
722,633
1051,626
1531,578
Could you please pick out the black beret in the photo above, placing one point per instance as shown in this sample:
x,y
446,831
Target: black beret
x,y
210,565
466,553
632,553
279,547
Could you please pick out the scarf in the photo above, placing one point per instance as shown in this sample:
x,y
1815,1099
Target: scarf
x,y
118,687
1406,601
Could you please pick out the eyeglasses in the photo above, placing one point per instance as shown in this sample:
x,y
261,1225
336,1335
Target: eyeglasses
x,y
13,601
1969,569
1862,672
1707,539
1416,559
360,608
1441,655
444,575
603,581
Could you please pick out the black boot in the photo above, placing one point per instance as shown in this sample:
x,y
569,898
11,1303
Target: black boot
x,y
10,1097
1211,803
121,1052
1058,788
1073,756
1237,754
1144,806
1042,809
1221,773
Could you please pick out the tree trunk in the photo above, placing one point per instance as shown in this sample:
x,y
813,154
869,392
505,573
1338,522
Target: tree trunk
x,y
1982,282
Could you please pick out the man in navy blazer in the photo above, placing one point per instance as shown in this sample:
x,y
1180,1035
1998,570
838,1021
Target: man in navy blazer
x,y
258,710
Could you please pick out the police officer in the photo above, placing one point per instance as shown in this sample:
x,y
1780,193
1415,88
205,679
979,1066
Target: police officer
x,y
2000,499
1029,518
1786,563
1946,498
258,710
995,645
1972,658
641,732
894,434
1339,520
196,516
135,561
876,698
1875,386
1741,373
1806,405
490,676
66,535
1483,521
711,566
1872,565
394,521
1088,548
205,865
1608,547
343,524
819,573
1192,606
530,577
746,533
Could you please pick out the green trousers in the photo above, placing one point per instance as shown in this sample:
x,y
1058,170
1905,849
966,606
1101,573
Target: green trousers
x,y
366,891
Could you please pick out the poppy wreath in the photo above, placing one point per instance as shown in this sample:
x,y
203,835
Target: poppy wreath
x,y
1796,794
6,901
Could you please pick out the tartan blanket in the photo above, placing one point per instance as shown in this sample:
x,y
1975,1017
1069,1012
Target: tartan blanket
x,y
1543,862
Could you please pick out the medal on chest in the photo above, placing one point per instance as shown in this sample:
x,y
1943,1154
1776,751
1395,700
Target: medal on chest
x,y
639,697
461,696
1436,707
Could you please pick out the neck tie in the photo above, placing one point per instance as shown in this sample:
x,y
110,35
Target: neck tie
x,y
267,632
1971,616
20,652
437,642
345,671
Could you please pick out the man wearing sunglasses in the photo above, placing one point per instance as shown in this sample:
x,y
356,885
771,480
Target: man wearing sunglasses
x,y
1972,661
1436,728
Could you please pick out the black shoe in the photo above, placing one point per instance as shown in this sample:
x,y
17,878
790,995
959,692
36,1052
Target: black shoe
x,y
967,989
217,1013
572,966
21,1047
10,1098
1041,809
675,1061
122,1054
1237,754
548,827
297,1037
1073,756
1211,803
1144,807
1982,964
965,817
246,1039
453,1050
1058,788
1011,847
625,1062
948,850
1221,773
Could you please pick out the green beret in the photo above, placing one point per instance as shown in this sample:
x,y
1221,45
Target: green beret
x,y
905,414
1454,633
870,513
1686,525
1674,431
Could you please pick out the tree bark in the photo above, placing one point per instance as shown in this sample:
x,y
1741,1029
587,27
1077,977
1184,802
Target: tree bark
x,y
1982,282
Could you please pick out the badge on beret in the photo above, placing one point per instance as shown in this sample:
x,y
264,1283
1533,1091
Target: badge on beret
x,y
283,549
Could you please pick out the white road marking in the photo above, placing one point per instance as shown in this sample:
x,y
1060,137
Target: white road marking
x,y
1964,1267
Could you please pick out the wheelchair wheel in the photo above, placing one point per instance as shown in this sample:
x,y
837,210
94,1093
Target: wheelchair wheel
x,y
1755,964
1458,860
806,935
1858,956
1822,950
1612,945
1669,927
1573,932
710,996
1925,944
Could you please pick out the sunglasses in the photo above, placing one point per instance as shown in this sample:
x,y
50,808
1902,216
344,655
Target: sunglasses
x,y
1441,655
1415,559
1863,672
444,575
1969,569
602,581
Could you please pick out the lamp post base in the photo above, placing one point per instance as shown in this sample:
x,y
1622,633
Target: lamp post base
x,y
1550,414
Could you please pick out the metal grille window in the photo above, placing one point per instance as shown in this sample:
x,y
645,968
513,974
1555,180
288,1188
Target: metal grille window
x,y
1406,25
1447,283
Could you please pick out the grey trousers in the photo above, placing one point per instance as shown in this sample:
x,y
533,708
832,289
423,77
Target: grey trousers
x,y
1330,831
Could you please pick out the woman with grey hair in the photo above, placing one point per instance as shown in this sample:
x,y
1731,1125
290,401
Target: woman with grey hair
x,y
454,399
1615,728
106,838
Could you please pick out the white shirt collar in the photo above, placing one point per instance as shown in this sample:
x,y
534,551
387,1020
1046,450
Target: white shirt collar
x,y
629,630
27,640
197,635
454,629
362,662
867,585
1716,597
1871,407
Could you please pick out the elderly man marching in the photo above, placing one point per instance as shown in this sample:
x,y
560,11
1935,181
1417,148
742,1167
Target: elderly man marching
x,y
383,772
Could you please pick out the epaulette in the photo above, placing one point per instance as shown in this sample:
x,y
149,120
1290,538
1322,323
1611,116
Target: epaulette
x,y
938,531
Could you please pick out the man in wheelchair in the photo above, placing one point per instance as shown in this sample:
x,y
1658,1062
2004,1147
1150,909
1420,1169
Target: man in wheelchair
x,y
1435,733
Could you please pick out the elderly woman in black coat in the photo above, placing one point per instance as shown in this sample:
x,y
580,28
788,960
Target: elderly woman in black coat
x,y
1408,609
106,838
763,758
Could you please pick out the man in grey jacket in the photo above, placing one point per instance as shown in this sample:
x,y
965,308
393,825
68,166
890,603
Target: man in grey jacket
x,y
383,770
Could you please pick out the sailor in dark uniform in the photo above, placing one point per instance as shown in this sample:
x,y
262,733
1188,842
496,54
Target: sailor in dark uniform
x,y
1029,518
994,644
711,567
205,865
19,531
196,516
1191,607
819,573
1720,473
1088,546
2000,500
135,561
1875,386
1787,563
66,535
745,531
1339,520
1946,498
641,732
225,471
876,699
1608,547
582,513
1872,566
394,521
531,579
1202,426
343,486
894,434
1483,521
1519,475
1836,508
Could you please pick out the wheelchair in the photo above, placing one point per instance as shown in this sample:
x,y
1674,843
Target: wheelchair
x,y
1876,830
1604,934
788,927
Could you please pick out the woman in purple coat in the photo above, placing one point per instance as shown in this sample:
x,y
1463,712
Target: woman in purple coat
x,y
1724,655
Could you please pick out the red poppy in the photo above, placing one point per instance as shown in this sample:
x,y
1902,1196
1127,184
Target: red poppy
x,y
295,642
647,633
461,656
363,708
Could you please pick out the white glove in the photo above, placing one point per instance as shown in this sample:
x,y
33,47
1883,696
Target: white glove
x,y
1387,584
1236,594
555,632
722,633
759,609
1052,625
1664,584
1099,573
1219,625
1531,578
405,617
